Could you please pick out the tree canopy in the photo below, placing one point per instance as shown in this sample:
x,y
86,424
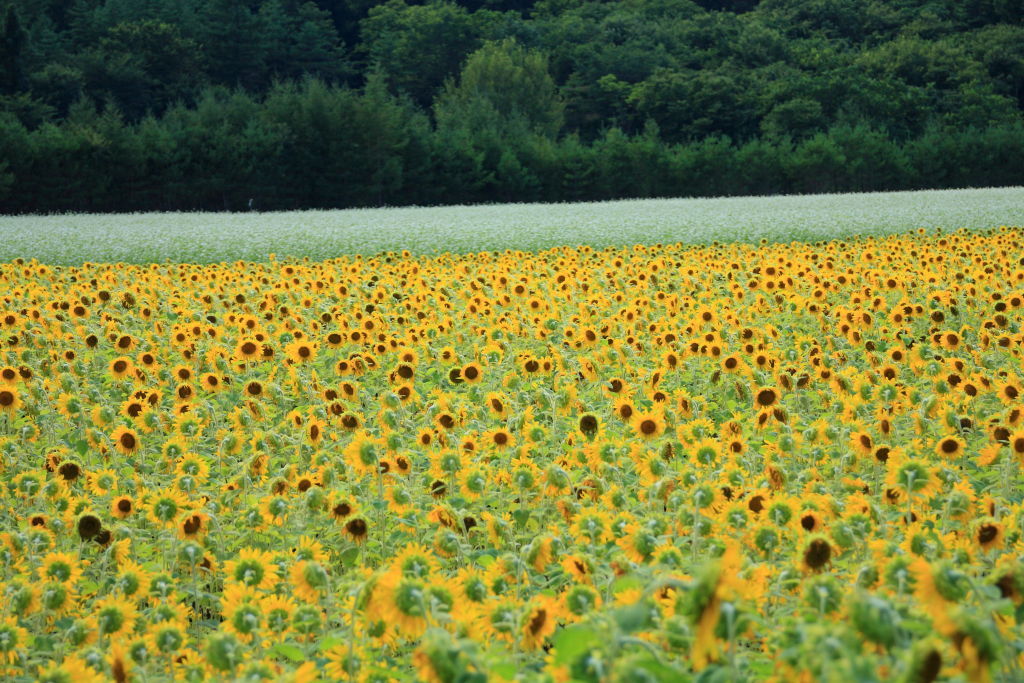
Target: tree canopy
x,y
500,99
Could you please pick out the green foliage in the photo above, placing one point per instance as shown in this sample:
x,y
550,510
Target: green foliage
x,y
509,85
466,101
419,46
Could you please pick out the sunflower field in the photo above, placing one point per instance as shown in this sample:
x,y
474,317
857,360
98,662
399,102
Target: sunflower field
x,y
788,462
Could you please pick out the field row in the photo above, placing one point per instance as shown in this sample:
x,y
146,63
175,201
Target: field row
x,y
226,237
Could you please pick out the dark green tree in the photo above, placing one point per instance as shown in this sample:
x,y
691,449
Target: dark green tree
x,y
417,47
12,71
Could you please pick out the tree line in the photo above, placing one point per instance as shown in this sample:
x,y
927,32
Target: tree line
x,y
179,104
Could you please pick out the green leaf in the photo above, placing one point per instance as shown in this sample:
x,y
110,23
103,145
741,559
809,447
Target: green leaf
x,y
572,642
655,670
633,617
289,651
521,516
42,643
350,556
327,643
506,670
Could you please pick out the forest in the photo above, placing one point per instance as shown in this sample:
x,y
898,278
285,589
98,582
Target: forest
x,y
142,105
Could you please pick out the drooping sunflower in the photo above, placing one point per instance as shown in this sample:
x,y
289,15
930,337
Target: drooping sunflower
x,y
13,640
115,615
765,397
539,622
309,580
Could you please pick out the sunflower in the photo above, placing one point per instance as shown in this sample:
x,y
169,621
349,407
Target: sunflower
x,y
938,588
70,668
949,447
344,662
121,367
126,441
472,373
115,616
252,567
500,438
363,453
315,432
913,477
811,521
988,534
309,580
765,397
539,622
278,610
248,349
10,402
624,408
415,561
165,506
88,526
273,510
404,604
717,582
122,506
816,554
62,568
132,579
12,639
649,425
357,529
193,525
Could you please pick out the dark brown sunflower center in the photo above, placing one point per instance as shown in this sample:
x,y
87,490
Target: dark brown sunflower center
x,y
70,471
817,554
192,524
538,621
88,526
931,666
